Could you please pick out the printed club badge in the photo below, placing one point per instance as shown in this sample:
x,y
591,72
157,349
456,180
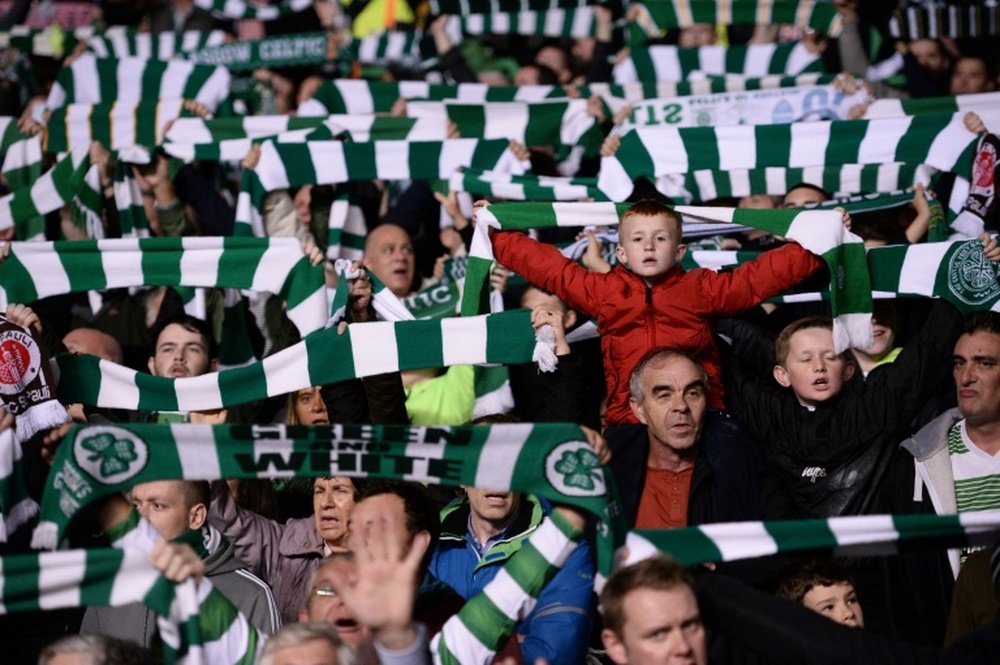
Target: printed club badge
x,y
20,361
573,469
110,455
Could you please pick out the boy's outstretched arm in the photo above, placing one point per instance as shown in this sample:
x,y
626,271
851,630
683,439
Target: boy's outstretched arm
x,y
770,274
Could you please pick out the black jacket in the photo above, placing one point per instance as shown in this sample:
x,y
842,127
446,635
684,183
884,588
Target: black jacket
x,y
833,458
728,483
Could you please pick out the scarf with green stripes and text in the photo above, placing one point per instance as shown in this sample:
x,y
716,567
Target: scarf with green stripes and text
x,y
272,265
91,80
550,460
50,192
673,63
306,48
820,232
357,96
525,187
939,140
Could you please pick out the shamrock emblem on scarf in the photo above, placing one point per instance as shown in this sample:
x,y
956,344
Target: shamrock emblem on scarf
x,y
578,468
113,454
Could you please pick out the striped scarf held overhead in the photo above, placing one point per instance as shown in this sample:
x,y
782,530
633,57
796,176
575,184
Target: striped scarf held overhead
x,y
820,232
985,104
675,14
550,460
939,140
571,23
323,357
842,180
672,63
275,265
358,96
91,80
21,154
229,139
51,191
239,9
463,7
116,125
955,20
526,187
284,165
566,123
16,505
121,42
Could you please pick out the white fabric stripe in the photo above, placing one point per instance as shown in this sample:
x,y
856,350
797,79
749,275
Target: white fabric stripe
x,y
552,543
738,145
118,387
134,578
881,139
950,142
462,642
712,59
505,120
59,578
312,313
200,261
286,371
196,390
122,261
670,155
463,340
917,273
277,261
861,529
196,451
758,57
508,596
374,348
741,540
498,457
392,160
809,142
50,276
455,154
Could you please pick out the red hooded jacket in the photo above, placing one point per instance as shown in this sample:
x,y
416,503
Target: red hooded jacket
x,y
676,311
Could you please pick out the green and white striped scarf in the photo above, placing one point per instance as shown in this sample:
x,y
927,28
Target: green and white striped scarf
x,y
229,139
359,96
16,505
91,80
239,9
21,154
867,535
526,187
675,14
985,104
121,42
842,180
320,358
672,63
22,166
392,46
820,232
550,460
463,7
197,625
572,23
565,123
945,20
306,48
272,265
284,165
50,192
939,140
487,619
116,125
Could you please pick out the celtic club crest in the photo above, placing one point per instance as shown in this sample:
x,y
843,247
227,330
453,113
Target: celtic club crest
x,y
110,455
573,469
971,276
20,361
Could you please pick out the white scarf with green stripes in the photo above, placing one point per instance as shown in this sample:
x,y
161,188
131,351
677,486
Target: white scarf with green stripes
x,y
673,63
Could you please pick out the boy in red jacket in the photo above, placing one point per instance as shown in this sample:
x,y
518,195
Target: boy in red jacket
x,y
648,300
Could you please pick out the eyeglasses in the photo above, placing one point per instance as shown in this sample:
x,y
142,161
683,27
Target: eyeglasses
x,y
324,592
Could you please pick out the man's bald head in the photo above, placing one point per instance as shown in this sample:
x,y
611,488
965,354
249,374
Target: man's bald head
x,y
389,254
94,342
